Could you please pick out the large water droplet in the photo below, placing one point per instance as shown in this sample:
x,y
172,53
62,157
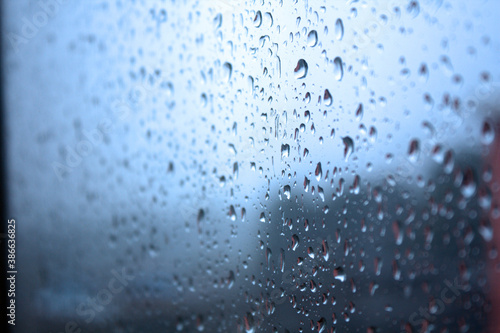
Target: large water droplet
x,y
312,38
301,69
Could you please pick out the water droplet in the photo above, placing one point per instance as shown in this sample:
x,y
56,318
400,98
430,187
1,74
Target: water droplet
x,y
487,133
295,242
339,29
269,254
468,187
282,260
327,97
285,150
486,230
339,274
232,213
321,325
306,184
338,70
373,134
348,147
235,170
398,234
199,219
318,172
301,69
230,280
423,72
437,153
287,191
310,252
257,21
218,21
268,19
413,8
312,38
227,69
204,100
248,323
414,150
262,217
359,112
199,323
325,250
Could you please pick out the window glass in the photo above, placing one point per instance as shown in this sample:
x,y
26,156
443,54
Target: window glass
x,y
254,166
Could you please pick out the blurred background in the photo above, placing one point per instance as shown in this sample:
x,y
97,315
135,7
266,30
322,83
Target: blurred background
x,y
253,166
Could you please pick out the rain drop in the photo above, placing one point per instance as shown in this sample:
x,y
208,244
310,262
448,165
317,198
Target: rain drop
x,y
338,70
339,29
301,69
348,147
312,38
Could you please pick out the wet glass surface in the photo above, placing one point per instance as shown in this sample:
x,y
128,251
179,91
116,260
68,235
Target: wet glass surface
x,y
254,166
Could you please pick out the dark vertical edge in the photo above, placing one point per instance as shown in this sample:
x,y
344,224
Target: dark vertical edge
x,y
5,327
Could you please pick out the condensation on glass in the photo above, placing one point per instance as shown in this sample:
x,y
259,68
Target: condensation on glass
x,y
254,166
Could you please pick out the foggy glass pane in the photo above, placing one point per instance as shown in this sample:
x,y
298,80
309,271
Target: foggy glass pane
x,y
254,166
